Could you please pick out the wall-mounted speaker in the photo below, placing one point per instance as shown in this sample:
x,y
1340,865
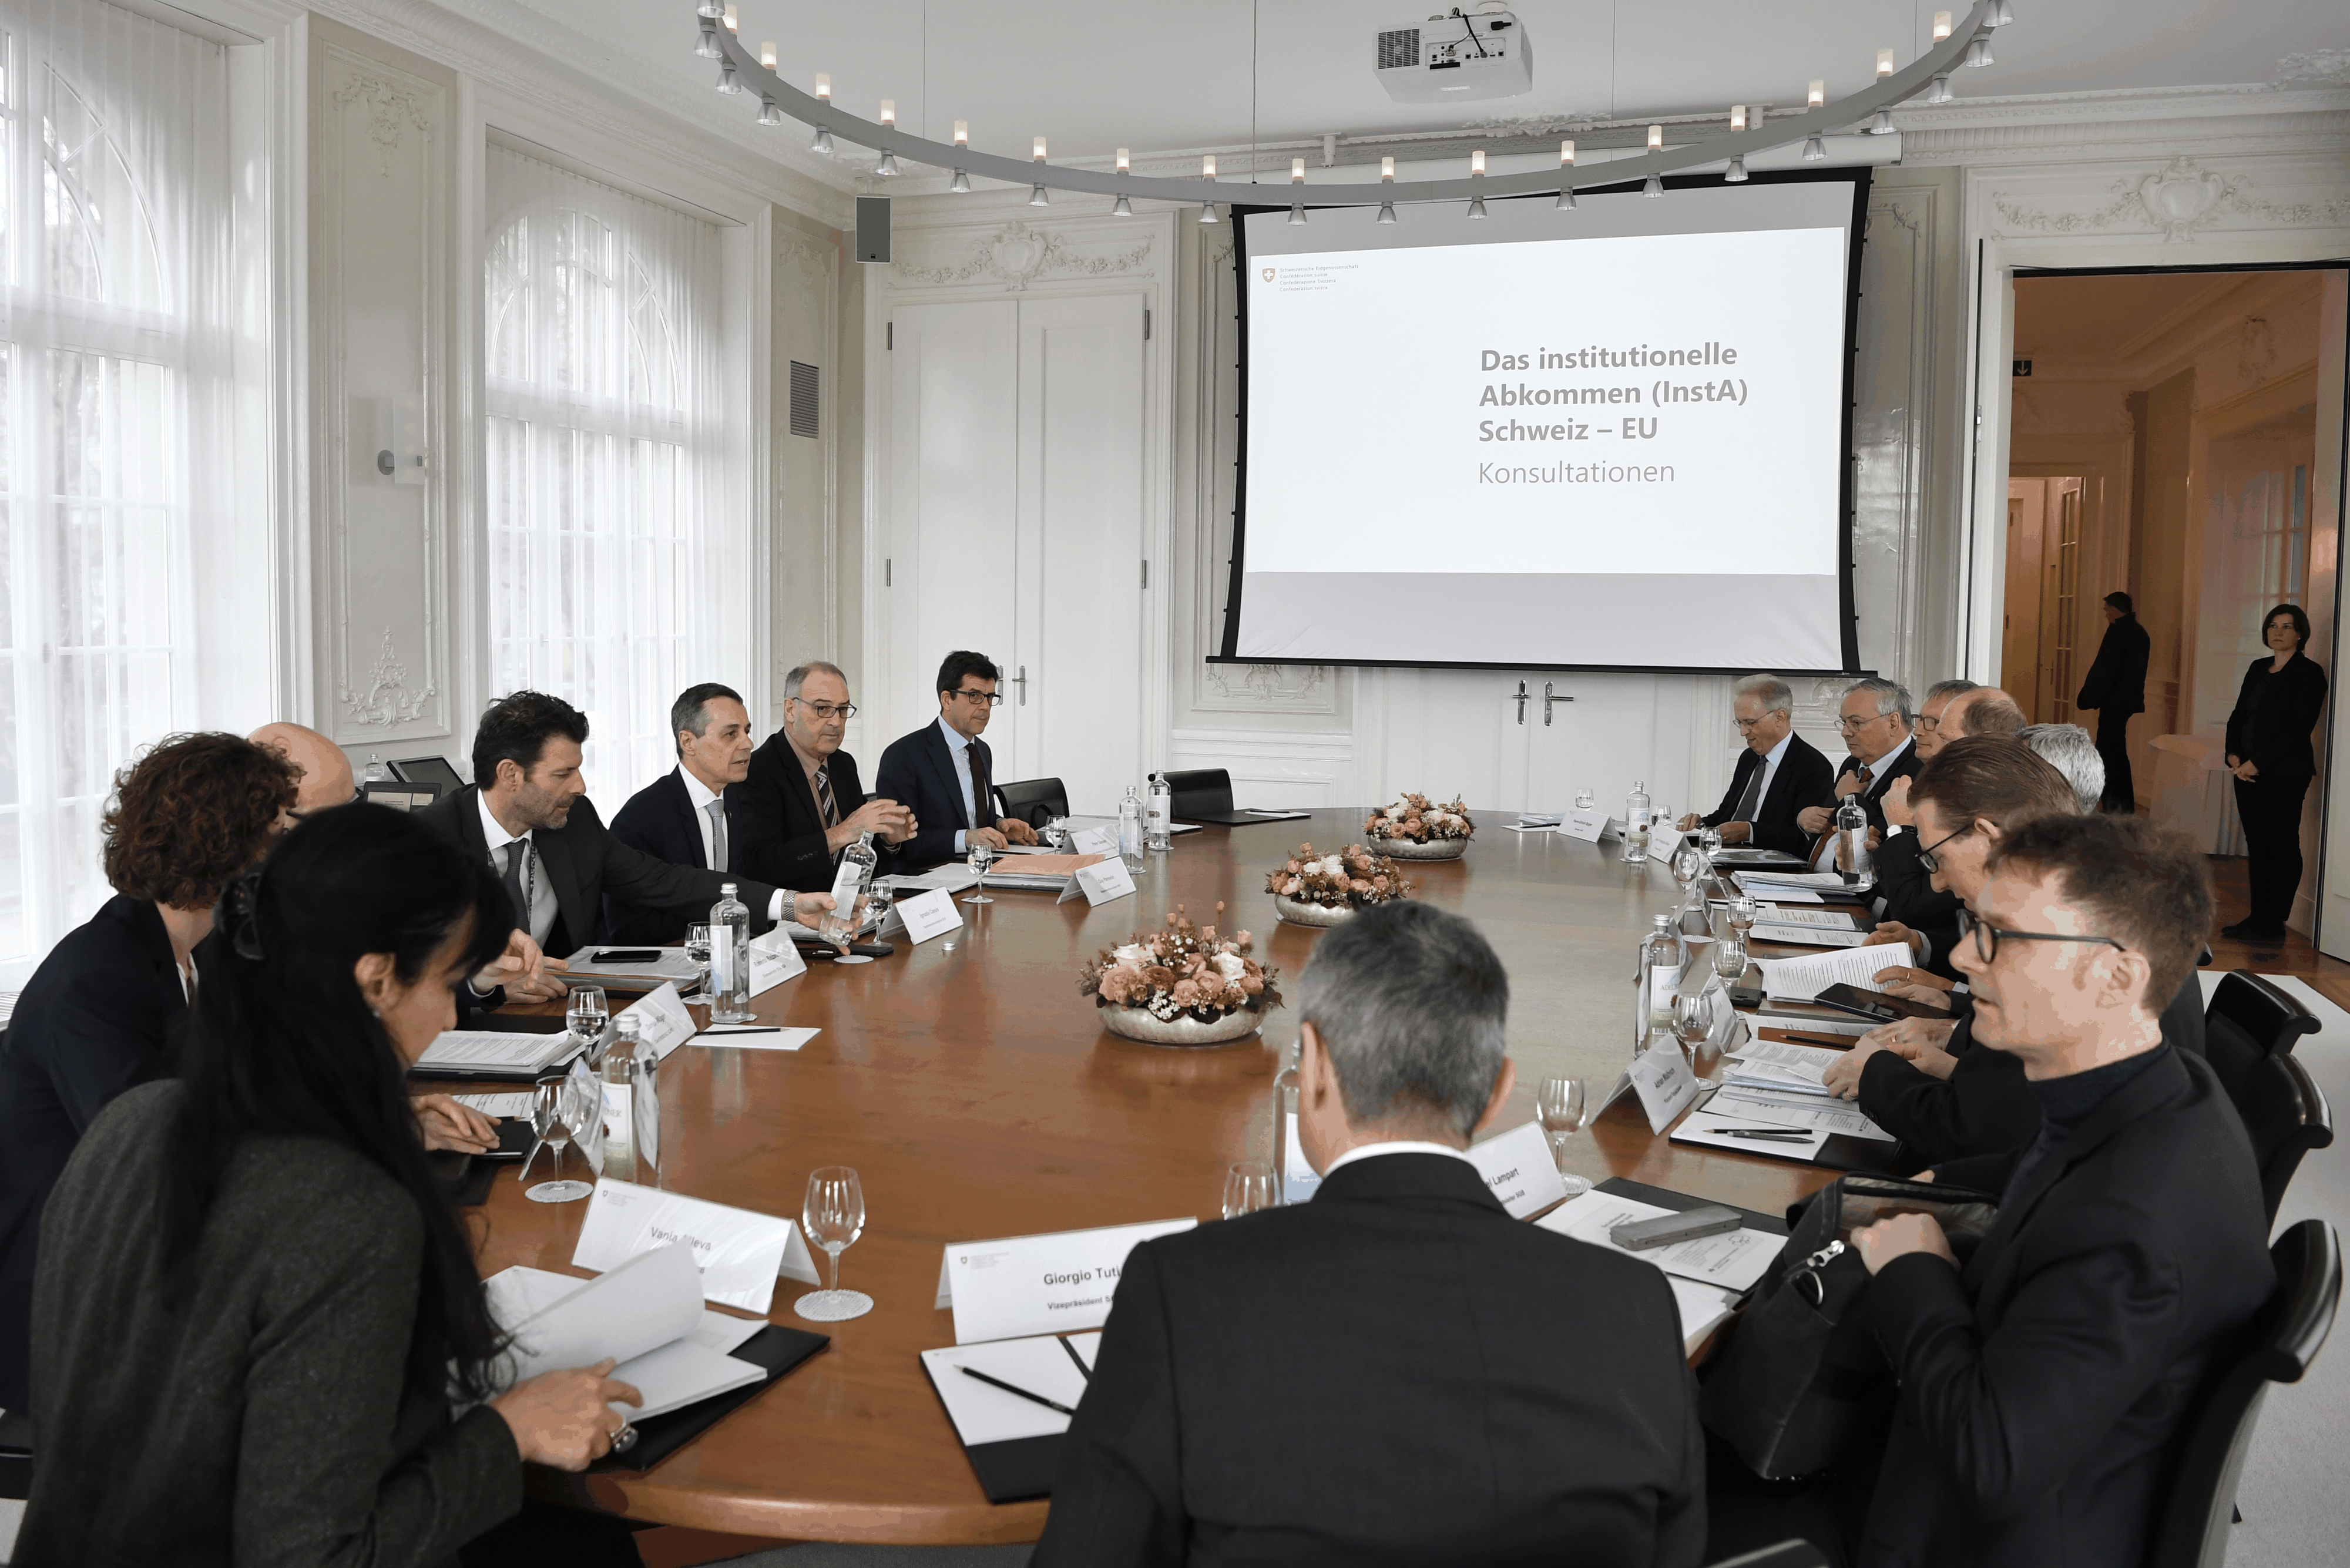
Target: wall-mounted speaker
x,y
873,228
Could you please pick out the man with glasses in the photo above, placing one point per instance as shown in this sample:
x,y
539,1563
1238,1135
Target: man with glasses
x,y
2046,1377
1777,774
948,773
802,801
1875,721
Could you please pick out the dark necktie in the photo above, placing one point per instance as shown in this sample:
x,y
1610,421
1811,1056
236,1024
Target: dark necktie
x,y
825,802
1751,801
512,877
717,810
981,816
1864,777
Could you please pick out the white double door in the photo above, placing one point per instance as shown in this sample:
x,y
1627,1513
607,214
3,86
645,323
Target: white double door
x,y
1016,523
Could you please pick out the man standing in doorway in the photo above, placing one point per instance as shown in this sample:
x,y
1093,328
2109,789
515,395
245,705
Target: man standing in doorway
x,y
2115,688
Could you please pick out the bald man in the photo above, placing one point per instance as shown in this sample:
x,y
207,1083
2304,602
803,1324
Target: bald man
x,y
1985,710
325,771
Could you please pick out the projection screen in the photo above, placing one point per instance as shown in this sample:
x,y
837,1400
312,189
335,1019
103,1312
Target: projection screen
x,y
1617,437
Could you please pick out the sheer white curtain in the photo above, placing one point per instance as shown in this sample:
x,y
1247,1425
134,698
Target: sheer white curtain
x,y
114,230
604,449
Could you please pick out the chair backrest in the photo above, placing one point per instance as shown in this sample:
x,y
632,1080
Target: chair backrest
x,y
1033,801
2286,1115
1199,789
1786,1554
2191,1528
2249,1020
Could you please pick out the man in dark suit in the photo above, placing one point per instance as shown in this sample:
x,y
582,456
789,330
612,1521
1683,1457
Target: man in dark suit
x,y
685,817
1875,717
534,825
1777,774
2115,689
946,773
2047,1379
1395,1372
803,801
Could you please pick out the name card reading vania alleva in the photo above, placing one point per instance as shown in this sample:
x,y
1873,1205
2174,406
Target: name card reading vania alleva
x,y
1053,1283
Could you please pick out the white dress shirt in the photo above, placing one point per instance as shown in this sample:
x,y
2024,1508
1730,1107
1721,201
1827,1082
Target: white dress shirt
x,y
1824,854
702,794
535,886
1401,1146
959,747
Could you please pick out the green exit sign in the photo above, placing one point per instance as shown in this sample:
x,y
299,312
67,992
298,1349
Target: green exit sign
x,y
2022,368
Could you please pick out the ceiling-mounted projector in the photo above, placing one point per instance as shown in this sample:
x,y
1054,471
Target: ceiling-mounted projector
x,y
1459,55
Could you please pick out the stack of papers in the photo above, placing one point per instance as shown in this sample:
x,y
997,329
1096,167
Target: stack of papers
x,y
672,965
1762,883
647,1315
1802,979
1781,1065
485,1053
1051,1365
1540,818
1041,873
1708,1275
1788,1108
514,1105
952,877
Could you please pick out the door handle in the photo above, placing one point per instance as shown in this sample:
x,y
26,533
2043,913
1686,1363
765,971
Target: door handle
x,y
1521,702
1021,681
1550,697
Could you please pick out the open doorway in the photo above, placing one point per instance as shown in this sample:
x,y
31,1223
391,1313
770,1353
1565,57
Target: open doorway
x,y
2164,445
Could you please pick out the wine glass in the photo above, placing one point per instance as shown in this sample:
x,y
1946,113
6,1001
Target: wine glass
x,y
697,948
1743,911
554,1113
1729,960
1248,1187
1056,833
586,1014
983,856
1693,1027
833,1215
1708,838
1561,1105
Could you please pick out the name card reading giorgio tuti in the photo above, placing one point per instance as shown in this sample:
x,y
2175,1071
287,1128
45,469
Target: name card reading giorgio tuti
x,y
1055,1283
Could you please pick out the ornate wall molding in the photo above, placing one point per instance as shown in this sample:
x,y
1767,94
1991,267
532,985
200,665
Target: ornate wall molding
x,y
386,700
2179,201
1016,255
1263,685
392,113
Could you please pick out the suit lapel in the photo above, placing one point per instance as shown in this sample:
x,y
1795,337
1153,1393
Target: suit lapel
x,y
681,799
942,759
563,875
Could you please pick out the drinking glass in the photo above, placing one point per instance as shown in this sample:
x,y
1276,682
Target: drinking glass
x,y
586,1014
983,856
833,1215
1585,800
1741,914
1248,1187
697,948
1561,1105
1056,833
1729,960
554,1114
1708,838
1693,1027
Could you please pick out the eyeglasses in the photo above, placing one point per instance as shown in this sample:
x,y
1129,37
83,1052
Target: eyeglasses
x,y
826,712
1987,937
988,698
1849,725
1926,855
1748,726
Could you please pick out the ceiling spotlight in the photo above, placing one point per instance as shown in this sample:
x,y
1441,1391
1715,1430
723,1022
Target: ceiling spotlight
x,y
726,82
1121,208
1884,64
887,165
1040,150
1208,212
1655,187
1208,166
1476,206
768,54
1737,117
1565,202
823,142
824,85
768,113
708,47
1815,149
1298,212
960,184
1979,50
1881,123
1387,213
1297,171
733,22
1817,95
1125,161
1036,197
711,10
1941,91
1941,26
2000,16
1737,173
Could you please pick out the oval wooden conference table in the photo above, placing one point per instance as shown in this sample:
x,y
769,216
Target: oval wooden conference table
x,y
970,1085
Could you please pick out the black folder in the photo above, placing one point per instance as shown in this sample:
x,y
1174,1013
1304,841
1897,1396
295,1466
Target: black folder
x,y
775,1348
1009,1471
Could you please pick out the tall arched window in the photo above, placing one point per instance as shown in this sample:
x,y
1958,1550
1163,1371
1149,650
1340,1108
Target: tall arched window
x,y
602,447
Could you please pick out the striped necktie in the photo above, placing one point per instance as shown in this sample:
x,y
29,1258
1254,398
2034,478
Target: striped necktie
x,y
824,803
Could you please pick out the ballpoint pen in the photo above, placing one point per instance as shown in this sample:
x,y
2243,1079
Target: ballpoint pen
x,y
1755,1132
1015,1388
1083,1370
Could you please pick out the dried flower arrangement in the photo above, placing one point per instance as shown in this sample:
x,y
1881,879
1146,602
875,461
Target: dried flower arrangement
x,y
1351,879
1185,970
1414,820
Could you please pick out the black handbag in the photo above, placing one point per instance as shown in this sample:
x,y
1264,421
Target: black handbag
x,y
1801,1387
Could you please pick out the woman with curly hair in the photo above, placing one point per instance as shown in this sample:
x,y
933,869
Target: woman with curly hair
x,y
98,1015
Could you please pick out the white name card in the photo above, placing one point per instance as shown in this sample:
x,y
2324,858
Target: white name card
x,y
1104,880
1056,1284
1094,841
1589,824
1518,1167
929,915
775,959
739,1254
662,1021
1663,839
1661,1077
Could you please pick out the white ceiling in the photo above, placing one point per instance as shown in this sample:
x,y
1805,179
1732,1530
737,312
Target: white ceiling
x,y
1164,76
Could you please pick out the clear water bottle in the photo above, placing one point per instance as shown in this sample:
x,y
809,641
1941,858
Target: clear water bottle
x,y
1663,956
730,959
1637,817
618,1071
375,771
1129,830
1288,1157
1852,841
850,884
1158,820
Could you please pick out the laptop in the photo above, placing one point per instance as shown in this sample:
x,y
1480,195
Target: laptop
x,y
429,770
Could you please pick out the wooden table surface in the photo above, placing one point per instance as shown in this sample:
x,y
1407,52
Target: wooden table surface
x,y
973,1089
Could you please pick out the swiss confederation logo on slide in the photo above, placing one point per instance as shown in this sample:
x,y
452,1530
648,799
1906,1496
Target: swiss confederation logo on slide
x,y
1268,274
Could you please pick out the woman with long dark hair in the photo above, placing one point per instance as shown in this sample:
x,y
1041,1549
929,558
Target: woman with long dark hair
x,y
257,1318
2282,698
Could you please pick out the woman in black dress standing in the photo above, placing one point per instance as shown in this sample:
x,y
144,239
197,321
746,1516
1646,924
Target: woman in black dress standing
x,y
2269,752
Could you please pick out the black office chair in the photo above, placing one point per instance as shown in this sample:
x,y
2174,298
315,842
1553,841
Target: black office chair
x,y
1033,801
2191,1530
2249,1020
1202,794
2286,1115
1786,1554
